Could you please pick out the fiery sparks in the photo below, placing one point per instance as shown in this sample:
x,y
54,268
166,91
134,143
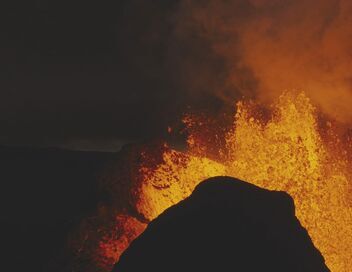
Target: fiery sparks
x,y
286,150
286,153
115,242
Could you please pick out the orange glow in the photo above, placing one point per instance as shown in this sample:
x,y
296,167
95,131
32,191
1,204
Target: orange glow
x,y
173,181
117,240
286,150
286,153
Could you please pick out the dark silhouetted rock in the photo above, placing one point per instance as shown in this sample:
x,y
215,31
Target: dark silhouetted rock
x,y
225,225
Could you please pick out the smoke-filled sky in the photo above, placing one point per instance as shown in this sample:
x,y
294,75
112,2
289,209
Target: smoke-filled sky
x,y
96,74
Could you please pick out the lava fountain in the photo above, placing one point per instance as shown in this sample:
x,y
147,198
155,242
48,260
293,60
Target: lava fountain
x,y
290,149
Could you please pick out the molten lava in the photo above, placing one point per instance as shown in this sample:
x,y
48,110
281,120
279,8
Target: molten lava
x,y
286,151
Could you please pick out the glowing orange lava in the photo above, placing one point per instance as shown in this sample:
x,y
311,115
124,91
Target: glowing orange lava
x,y
287,151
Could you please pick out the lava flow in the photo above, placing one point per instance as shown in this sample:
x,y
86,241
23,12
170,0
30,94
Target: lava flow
x,y
291,149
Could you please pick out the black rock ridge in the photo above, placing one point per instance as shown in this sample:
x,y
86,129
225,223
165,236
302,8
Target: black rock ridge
x,y
225,225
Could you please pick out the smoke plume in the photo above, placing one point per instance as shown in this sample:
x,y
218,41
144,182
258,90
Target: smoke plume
x,y
264,47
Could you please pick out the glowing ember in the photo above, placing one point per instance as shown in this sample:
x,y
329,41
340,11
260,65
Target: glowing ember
x,y
286,152
111,246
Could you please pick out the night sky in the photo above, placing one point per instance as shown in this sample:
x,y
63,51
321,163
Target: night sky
x,y
67,75
93,75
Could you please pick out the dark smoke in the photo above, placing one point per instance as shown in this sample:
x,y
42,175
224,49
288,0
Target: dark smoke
x,y
90,75
271,46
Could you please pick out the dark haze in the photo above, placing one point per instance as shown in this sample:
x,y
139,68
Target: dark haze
x,y
94,75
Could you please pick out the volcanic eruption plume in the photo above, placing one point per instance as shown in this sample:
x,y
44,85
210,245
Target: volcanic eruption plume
x,y
297,142
289,150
